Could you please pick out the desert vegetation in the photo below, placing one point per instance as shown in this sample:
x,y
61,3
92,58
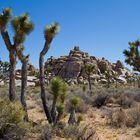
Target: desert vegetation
x,y
77,97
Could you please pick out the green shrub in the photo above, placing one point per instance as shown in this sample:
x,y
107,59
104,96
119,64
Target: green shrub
x,y
12,125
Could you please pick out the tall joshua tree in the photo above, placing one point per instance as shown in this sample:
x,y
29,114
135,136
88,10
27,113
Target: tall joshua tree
x,y
49,34
22,26
4,20
89,69
133,56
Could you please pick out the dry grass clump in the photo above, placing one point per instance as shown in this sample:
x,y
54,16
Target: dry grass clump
x,y
79,132
117,118
75,132
133,116
121,117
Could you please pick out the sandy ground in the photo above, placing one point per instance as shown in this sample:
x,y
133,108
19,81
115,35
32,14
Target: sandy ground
x,y
96,118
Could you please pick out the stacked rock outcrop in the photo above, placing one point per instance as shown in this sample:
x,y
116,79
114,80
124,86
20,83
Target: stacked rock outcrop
x,y
71,67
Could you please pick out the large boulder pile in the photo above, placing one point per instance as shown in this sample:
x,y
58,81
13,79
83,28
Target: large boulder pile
x,y
71,67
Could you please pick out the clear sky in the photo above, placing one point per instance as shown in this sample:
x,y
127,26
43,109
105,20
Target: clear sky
x,y
100,27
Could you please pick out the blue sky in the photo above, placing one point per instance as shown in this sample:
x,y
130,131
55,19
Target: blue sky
x,y
100,27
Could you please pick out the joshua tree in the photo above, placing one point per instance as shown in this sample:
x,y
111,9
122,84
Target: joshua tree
x,y
133,56
108,77
4,20
49,34
74,102
22,26
89,69
58,90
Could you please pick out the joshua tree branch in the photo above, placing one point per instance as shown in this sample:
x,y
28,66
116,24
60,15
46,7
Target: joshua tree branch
x,y
6,39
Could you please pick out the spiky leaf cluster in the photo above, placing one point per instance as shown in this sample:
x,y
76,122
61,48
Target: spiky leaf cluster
x,y
133,55
58,88
5,17
22,26
74,101
50,31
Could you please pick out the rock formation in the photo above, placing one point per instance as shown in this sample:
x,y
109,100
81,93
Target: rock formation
x,y
71,67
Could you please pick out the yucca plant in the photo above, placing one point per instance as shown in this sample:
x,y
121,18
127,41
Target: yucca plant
x,y
74,103
49,34
89,69
56,88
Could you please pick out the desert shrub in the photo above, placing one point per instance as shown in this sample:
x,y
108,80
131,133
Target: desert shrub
x,y
124,101
137,97
47,133
79,132
133,117
128,118
100,100
117,118
12,125
50,131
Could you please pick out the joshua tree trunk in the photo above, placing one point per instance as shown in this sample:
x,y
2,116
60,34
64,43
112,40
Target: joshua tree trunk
x,y
42,82
24,87
24,60
12,58
89,82
58,117
72,118
53,110
12,90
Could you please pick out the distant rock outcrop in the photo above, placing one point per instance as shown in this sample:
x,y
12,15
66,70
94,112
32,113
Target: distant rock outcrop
x,y
70,67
